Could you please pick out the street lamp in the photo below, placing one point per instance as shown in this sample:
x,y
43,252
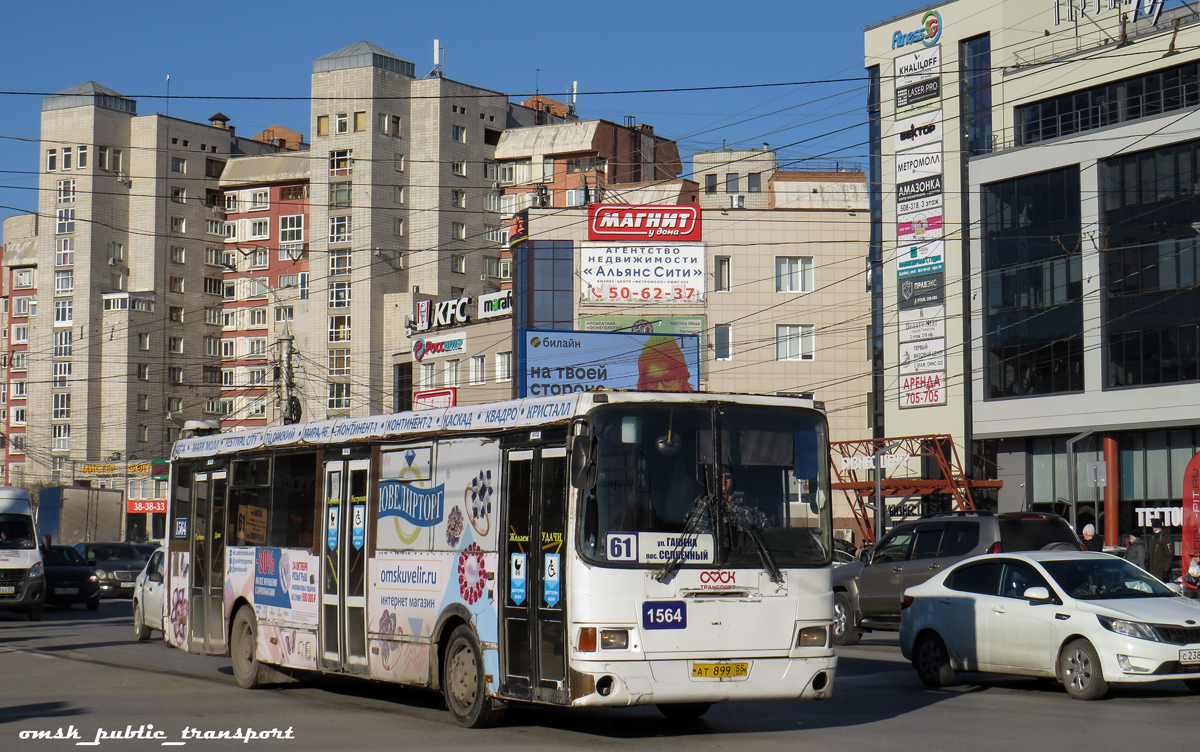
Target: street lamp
x,y
291,405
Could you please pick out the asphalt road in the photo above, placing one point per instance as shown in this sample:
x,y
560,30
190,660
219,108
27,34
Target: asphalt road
x,y
83,673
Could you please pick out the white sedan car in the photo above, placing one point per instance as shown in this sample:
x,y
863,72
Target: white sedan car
x,y
149,594
1086,619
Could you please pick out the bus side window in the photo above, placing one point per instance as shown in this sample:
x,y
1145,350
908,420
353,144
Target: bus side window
x,y
294,501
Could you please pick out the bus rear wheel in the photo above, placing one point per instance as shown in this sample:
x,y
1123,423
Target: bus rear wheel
x,y
462,682
243,648
684,711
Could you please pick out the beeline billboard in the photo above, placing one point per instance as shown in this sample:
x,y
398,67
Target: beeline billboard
x,y
623,222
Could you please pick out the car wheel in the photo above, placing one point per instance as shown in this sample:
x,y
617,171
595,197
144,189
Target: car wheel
x,y
684,711
932,661
35,613
243,648
1079,667
93,603
462,682
140,630
845,623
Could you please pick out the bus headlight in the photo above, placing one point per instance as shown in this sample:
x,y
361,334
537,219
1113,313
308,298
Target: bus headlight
x,y
614,639
812,637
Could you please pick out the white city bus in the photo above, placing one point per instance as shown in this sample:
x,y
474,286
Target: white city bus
x,y
610,548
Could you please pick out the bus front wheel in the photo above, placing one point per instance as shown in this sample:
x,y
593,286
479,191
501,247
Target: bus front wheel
x,y
243,648
462,682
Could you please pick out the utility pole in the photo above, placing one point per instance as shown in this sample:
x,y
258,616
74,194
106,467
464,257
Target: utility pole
x,y
291,411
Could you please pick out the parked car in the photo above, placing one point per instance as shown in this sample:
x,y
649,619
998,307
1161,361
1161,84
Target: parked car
x,y
116,566
1086,619
69,579
149,595
867,592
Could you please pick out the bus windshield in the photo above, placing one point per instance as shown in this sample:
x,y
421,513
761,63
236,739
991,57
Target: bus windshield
x,y
747,485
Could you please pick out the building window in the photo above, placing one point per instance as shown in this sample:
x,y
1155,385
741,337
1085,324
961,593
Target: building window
x,y
102,157
179,164
260,258
178,254
175,344
722,345
64,254
62,343
256,348
65,221
339,396
260,199
212,346
459,167
231,202
175,284
794,342
478,366
340,195
754,182
260,229
341,123
178,225
793,274
322,125
143,341
225,407
293,193
66,158
721,274
143,433
731,182
283,313
20,361
229,350
213,286
458,230
18,419
64,312
339,294
23,278
339,262
83,157
340,162
258,287
458,133
399,193
1033,309
178,195
398,161
213,167
339,328
451,373
339,362
143,372
504,366
175,313
143,402
62,437
62,375
66,191
291,229
360,121
20,334
118,161
339,229
256,407
975,83
175,374
258,377
710,183
458,198
24,306
458,263
398,226
52,159
20,389
60,406
64,282
258,318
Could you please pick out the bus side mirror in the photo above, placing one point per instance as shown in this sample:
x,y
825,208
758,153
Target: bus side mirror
x,y
46,542
583,462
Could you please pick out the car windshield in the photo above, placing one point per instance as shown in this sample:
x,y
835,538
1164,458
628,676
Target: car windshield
x,y
1103,579
16,531
64,557
113,552
749,486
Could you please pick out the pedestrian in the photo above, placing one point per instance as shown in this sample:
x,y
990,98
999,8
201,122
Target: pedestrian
x,y
1135,552
1090,541
1160,554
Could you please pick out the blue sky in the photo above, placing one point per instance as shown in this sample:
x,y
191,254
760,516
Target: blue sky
x,y
225,50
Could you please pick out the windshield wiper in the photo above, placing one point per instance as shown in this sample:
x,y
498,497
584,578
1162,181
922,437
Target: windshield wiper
x,y
751,522
702,505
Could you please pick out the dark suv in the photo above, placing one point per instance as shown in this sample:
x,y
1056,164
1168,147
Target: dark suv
x,y
867,592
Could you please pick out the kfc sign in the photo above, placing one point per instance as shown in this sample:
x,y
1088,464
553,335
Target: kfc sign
x,y
643,223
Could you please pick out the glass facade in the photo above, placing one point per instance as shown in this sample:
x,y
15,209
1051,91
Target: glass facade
x,y
1108,104
1149,202
1032,281
546,291
976,82
875,276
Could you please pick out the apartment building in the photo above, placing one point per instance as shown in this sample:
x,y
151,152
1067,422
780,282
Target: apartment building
x,y
734,178
1034,197
265,265
116,276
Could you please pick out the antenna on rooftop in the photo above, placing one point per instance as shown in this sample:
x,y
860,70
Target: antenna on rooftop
x,y
574,96
439,60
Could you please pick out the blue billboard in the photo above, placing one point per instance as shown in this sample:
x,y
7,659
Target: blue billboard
x,y
552,362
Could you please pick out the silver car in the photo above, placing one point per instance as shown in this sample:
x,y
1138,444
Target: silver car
x,y
149,596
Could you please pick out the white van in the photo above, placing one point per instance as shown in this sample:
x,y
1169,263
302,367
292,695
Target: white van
x,y
22,577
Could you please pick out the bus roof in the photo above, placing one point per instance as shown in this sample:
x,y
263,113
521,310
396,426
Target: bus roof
x,y
521,413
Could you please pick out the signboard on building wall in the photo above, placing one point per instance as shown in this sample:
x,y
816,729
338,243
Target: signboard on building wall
x,y
431,399
439,347
922,162
494,305
561,362
634,224
918,259
621,273
919,81
919,226
917,130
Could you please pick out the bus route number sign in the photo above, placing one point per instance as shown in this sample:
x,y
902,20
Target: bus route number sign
x,y
664,615
622,547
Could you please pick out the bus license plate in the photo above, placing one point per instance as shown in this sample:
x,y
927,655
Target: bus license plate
x,y
1189,656
719,670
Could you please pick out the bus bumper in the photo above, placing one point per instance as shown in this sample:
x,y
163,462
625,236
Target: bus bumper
x,y
620,683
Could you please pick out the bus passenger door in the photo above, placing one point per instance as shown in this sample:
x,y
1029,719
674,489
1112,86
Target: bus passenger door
x,y
208,561
344,567
534,553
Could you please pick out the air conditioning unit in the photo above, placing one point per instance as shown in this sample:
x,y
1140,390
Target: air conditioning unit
x,y
737,202
496,186
112,261
483,277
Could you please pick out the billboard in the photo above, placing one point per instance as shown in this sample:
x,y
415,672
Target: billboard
x,y
632,224
561,362
626,273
